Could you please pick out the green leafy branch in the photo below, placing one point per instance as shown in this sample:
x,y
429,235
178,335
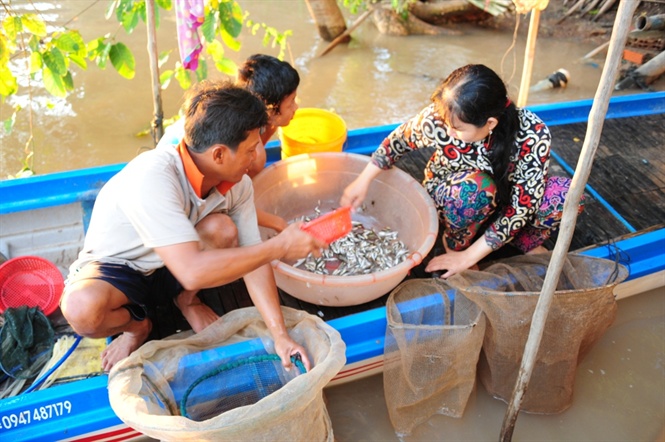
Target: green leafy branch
x,y
51,56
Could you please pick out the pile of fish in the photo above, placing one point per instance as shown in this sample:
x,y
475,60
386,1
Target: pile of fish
x,y
360,252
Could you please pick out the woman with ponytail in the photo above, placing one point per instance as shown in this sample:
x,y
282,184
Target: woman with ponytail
x,y
488,175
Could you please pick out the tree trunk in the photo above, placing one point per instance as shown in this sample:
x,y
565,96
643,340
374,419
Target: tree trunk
x,y
438,11
389,22
157,129
328,18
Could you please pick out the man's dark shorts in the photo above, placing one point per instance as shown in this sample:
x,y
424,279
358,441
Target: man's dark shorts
x,y
145,292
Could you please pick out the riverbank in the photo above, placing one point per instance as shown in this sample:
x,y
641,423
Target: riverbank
x,y
575,27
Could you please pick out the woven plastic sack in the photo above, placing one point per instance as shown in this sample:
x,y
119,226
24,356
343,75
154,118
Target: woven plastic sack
x,y
145,389
433,341
582,308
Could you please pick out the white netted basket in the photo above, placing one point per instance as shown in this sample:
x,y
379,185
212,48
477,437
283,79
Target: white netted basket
x,y
146,389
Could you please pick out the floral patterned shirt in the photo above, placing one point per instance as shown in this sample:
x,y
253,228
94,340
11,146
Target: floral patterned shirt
x,y
527,170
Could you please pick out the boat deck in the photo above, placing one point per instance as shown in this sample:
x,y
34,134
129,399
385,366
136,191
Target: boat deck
x,y
629,167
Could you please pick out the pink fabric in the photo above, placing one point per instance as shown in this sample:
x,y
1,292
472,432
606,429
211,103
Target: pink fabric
x,y
189,16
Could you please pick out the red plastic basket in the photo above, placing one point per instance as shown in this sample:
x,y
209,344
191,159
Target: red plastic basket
x,y
331,226
31,281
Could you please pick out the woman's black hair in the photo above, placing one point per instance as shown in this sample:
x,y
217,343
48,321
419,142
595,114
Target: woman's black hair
x,y
269,78
474,93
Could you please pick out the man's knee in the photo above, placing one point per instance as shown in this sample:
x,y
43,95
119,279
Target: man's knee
x,y
218,231
83,311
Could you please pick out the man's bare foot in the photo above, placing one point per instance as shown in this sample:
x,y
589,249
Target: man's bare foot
x,y
125,344
197,314
539,249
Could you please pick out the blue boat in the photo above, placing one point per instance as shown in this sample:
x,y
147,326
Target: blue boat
x,y
47,216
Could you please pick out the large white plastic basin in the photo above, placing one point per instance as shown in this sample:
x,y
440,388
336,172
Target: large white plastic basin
x,y
292,188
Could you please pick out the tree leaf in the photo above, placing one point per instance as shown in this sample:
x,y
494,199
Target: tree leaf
x,y
71,42
215,49
166,4
163,58
55,61
53,83
123,60
79,61
226,66
202,70
36,62
33,24
5,52
182,75
230,15
231,42
165,78
208,27
95,48
8,84
12,26
68,81
34,44
110,8
9,123
103,55
130,19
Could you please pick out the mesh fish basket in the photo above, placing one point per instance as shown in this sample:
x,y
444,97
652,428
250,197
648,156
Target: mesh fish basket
x,y
236,384
582,309
433,341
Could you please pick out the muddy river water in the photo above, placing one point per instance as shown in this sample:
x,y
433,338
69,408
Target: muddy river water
x,y
374,80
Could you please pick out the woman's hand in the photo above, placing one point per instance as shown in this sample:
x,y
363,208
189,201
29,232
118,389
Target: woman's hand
x,y
451,262
355,193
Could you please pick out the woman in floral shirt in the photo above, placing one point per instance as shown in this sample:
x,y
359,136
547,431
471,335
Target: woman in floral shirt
x,y
488,174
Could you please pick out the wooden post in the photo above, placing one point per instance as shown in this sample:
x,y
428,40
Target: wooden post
x,y
582,171
157,123
529,53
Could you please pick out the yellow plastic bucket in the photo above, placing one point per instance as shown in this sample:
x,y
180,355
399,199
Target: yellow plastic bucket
x,y
312,130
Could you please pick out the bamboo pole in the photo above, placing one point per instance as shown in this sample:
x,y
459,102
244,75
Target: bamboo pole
x,y
529,53
157,126
582,171
346,33
596,51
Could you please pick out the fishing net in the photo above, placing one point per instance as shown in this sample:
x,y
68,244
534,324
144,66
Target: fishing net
x,y
226,383
431,350
26,342
582,309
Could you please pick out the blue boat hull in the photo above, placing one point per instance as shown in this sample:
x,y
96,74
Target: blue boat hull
x,y
81,411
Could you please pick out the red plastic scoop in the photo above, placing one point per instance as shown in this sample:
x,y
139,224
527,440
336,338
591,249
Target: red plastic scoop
x,y
331,226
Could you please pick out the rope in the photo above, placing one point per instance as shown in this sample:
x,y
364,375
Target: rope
x,y
55,366
297,360
619,256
